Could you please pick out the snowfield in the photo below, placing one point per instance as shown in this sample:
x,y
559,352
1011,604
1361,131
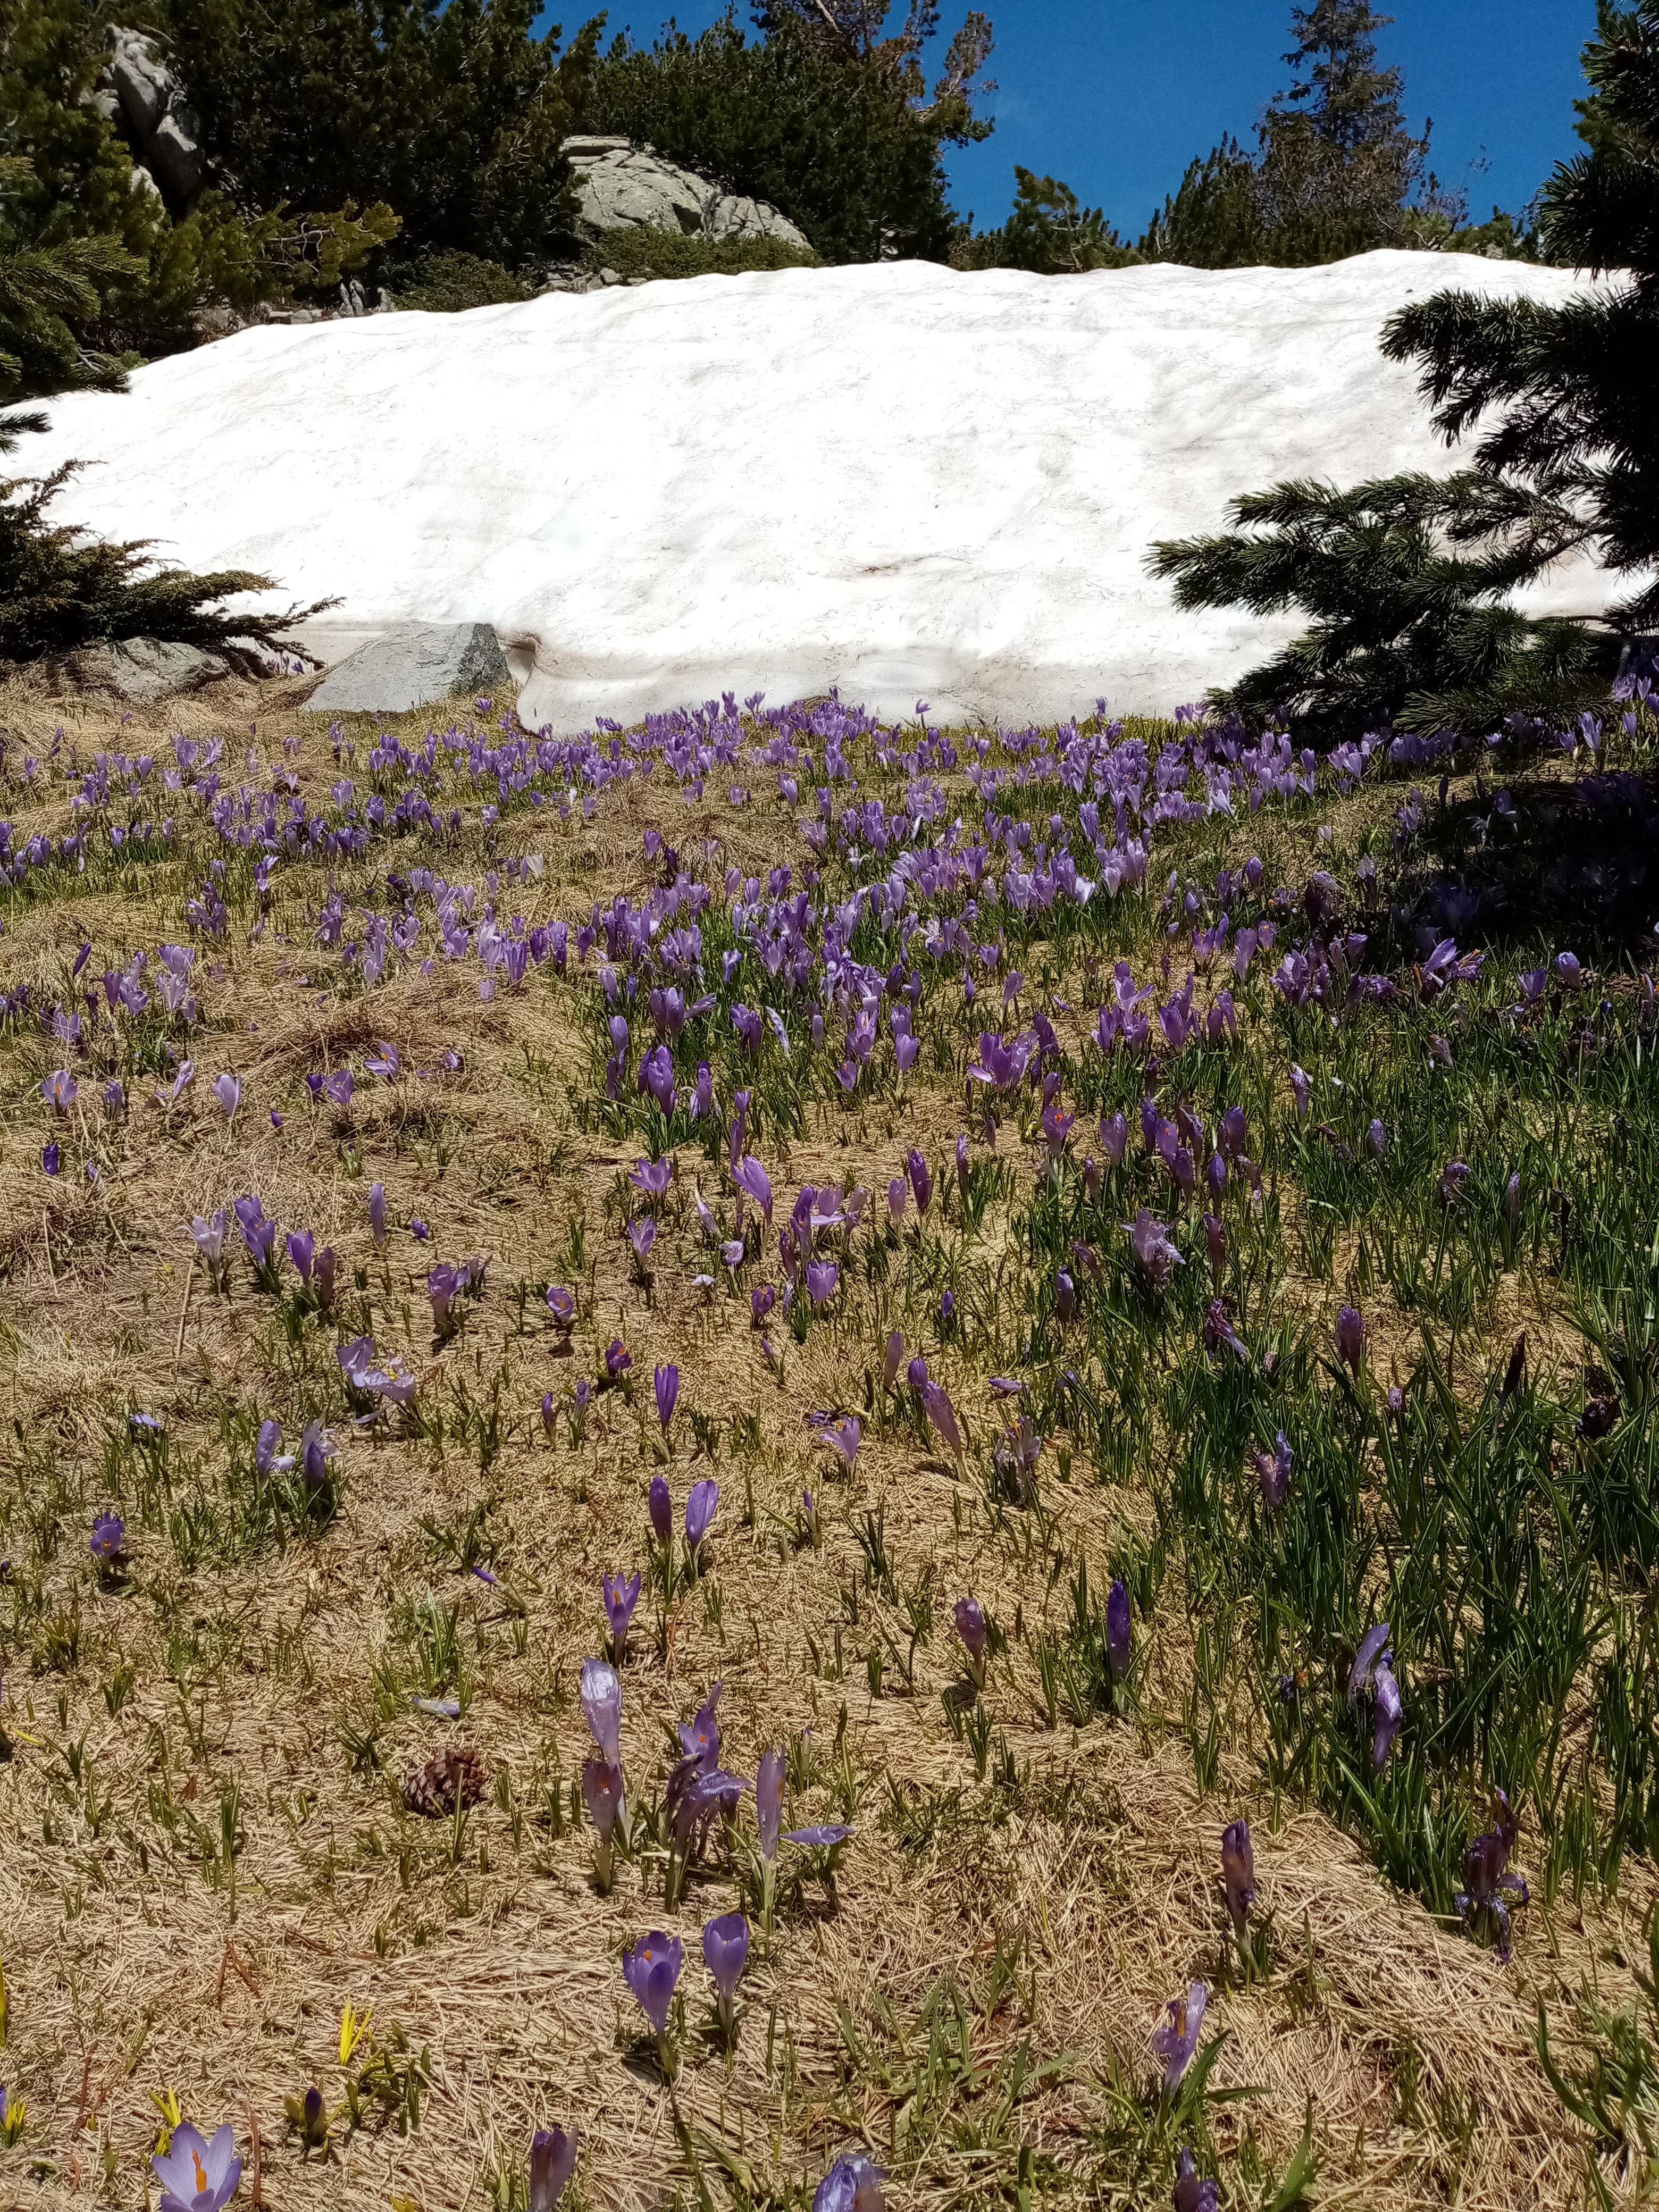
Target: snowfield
x,y
913,484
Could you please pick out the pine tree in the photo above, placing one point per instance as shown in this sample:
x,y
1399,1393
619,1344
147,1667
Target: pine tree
x,y
1349,101
1408,580
1569,396
1335,172
1048,232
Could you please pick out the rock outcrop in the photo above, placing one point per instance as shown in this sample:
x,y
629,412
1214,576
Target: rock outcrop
x,y
414,666
138,669
622,186
140,88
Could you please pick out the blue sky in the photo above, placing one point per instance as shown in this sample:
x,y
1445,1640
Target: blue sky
x,y
1116,97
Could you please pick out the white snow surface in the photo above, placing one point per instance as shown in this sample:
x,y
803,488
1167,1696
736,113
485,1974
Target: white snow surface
x,y
908,482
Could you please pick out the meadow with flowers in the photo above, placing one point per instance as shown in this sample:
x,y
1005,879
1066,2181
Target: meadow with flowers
x,y
780,1460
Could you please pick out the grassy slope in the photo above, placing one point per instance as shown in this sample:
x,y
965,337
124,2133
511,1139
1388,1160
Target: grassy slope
x,y
205,1854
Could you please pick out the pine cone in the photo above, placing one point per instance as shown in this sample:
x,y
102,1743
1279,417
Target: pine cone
x,y
449,1774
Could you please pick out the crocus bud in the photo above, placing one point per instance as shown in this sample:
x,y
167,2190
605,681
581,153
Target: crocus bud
x,y
1117,1628
377,1210
661,1508
1238,1873
1349,1337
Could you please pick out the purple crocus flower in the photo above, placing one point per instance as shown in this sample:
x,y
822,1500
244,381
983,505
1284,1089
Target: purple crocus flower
x,y
1238,1873
377,1212
666,1387
659,1505
651,1970
968,1617
1190,2194
643,1234
1453,1176
552,2163
601,1700
258,1231
1117,1628
617,1360
852,2185
824,1838
338,1087
899,1197
1373,1670
1299,1089
444,1284
108,1532
1177,2039
1219,1331
1273,1473
892,1358
603,1797
822,1276
656,1076
921,1179
316,1450
562,1307
942,1415
620,1599
1388,1714
1351,1337
700,1511
58,1089
768,1801
1155,1254
301,1245
652,1176
843,1436
196,2176
1490,1889
50,1157
752,1180
227,1090
210,1238
1377,1137
725,1952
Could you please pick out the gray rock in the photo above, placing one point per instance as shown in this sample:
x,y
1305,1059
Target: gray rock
x,y
140,84
139,669
621,186
415,665
174,155
141,79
